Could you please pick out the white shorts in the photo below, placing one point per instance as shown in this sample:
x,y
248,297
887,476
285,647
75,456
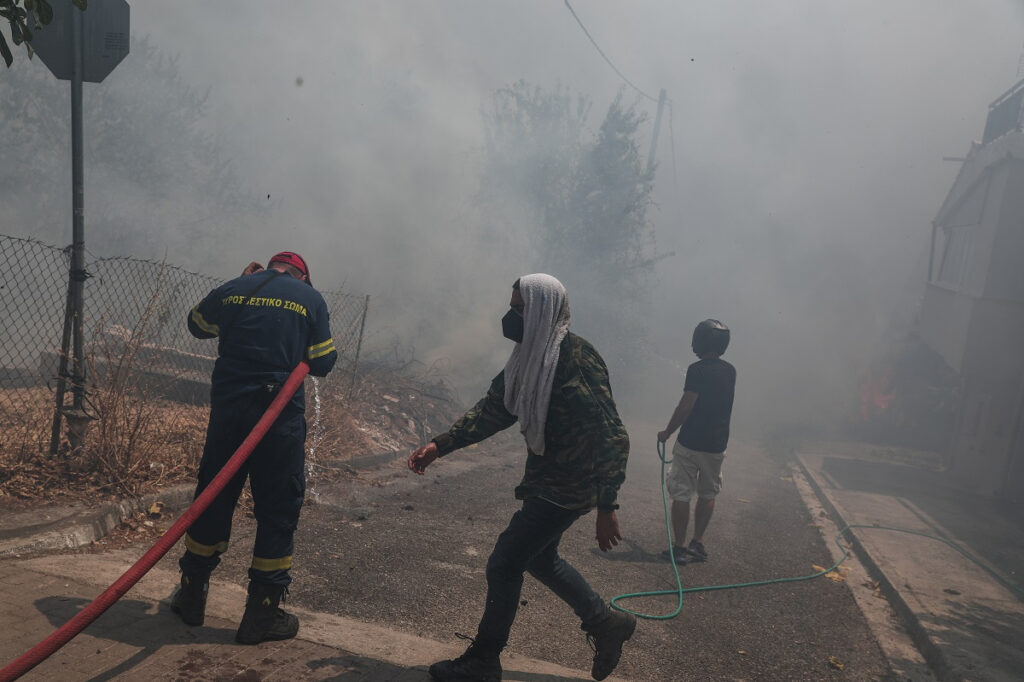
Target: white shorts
x,y
694,471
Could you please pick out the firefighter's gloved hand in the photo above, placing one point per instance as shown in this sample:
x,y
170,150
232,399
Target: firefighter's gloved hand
x,y
251,268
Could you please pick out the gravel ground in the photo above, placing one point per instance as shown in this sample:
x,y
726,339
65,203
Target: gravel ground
x,y
409,552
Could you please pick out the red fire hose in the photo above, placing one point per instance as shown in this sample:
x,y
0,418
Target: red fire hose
x,y
66,632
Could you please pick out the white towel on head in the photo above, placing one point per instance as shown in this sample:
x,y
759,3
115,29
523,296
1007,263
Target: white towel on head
x,y
530,370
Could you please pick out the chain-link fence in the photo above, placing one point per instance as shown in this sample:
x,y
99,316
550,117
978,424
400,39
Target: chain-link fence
x,y
136,340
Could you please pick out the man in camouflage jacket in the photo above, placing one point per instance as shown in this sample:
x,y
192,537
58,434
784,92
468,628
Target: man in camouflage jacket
x,y
577,465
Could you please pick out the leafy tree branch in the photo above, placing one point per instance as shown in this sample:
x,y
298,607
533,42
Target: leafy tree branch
x,y
24,17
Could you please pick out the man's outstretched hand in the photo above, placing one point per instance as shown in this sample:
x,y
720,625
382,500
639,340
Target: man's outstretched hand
x,y
607,530
421,459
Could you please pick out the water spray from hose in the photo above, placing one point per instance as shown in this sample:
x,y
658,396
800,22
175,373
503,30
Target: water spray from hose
x,y
317,433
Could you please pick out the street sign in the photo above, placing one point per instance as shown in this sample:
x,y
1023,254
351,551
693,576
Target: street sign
x,y
104,38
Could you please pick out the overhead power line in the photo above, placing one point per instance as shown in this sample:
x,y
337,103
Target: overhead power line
x,y
604,56
628,82
672,139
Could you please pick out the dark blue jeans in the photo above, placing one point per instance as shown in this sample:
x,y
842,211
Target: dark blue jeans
x,y
530,543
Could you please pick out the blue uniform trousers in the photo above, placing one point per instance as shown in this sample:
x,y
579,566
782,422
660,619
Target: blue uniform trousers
x,y
276,478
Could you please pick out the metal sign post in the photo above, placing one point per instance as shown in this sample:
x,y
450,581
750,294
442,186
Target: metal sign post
x,y
76,279
79,45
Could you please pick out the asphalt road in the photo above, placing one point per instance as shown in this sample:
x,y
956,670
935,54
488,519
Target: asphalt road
x,y
409,552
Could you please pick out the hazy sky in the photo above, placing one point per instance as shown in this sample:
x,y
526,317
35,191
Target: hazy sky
x,y
808,140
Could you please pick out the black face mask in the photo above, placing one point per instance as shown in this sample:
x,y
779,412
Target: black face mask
x,y
512,326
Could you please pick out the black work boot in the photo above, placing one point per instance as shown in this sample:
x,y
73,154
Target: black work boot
x,y
264,620
607,638
189,600
478,664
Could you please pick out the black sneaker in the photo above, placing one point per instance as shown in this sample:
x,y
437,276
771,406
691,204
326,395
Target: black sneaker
x,y
476,665
189,600
607,639
678,554
696,551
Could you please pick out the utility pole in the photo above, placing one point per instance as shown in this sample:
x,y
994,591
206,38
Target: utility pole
x,y
657,129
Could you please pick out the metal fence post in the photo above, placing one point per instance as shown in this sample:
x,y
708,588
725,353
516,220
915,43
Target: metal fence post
x,y
65,347
359,343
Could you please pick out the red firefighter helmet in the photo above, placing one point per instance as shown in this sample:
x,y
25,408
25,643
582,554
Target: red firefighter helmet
x,y
295,260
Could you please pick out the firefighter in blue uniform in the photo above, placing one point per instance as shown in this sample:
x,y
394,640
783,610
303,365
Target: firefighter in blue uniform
x,y
266,321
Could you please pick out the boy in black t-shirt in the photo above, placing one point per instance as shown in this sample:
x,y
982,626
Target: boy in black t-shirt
x,y
703,413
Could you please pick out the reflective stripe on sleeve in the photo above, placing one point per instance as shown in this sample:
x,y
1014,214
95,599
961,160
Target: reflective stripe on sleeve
x,y
320,349
201,322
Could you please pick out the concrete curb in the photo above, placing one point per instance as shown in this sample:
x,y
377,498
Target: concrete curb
x,y
931,652
93,524
89,525
86,526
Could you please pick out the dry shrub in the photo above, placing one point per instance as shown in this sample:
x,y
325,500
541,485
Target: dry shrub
x,y
333,435
26,471
139,440
137,443
26,415
388,410
136,440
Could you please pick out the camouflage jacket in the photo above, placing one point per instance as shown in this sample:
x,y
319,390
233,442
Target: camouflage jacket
x,y
586,446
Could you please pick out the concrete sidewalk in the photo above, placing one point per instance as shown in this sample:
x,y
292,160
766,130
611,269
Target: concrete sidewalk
x,y
966,623
140,639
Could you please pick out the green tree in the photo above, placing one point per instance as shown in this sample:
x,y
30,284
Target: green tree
x,y
602,226
533,143
579,198
604,236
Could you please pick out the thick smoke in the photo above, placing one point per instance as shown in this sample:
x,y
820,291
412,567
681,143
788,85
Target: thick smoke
x,y
798,168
